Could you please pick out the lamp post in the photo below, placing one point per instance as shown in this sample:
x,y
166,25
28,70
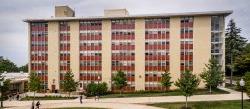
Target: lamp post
x,y
242,84
1,84
98,78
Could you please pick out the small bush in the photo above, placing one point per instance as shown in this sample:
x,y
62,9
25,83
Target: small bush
x,y
97,89
247,83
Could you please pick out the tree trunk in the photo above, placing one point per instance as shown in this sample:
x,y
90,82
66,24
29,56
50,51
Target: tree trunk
x,y
120,92
186,103
210,89
231,71
33,103
69,94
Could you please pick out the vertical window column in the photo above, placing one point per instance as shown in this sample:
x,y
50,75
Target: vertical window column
x,y
156,51
123,50
186,44
39,51
90,52
217,26
64,40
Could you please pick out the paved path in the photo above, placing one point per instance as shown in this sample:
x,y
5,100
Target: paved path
x,y
75,103
233,81
126,103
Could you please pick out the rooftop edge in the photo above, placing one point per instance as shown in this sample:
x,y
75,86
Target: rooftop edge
x,y
225,12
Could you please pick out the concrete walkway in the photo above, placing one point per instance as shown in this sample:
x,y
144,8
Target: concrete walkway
x,y
125,103
74,103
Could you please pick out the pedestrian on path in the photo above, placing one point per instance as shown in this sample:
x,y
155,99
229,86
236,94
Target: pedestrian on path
x,y
96,97
37,105
17,97
81,98
33,105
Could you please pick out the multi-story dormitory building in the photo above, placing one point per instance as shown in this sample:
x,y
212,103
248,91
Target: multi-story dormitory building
x,y
143,46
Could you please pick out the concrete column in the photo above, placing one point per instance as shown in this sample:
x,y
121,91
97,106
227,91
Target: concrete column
x,y
106,52
139,54
74,49
53,54
29,50
174,49
201,44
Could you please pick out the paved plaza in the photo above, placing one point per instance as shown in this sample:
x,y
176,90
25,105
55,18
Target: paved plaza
x,y
124,103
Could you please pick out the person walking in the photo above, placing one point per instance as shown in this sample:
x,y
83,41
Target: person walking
x,y
81,98
33,105
17,97
37,104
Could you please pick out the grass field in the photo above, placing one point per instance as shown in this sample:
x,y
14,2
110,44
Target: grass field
x,y
169,93
205,105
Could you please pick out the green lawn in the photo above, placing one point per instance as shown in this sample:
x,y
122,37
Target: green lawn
x,y
205,105
78,108
155,93
47,98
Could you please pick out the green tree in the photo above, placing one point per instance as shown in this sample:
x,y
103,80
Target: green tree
x,y
246,49
69,85
242,63
212,74
166,80
187,84
247,83
34,84
234,45
120,80
23,68
7,65
93,89
4,88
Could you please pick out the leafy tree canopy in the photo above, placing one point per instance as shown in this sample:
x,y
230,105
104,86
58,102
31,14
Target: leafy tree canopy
x,y
187,83
212,74
69,84
242,63
7,65
120,80
23,68
34,82
247,83
234,42
166,79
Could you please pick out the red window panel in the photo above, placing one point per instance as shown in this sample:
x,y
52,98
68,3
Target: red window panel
x,y
190,35
113,37
186,57
186,68
182,24
88,38
190,24
65,48
132,79
33,67
187,46
113,68
82,67
80,77
88,77
61,77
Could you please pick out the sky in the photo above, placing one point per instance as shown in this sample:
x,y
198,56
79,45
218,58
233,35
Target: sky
x,y
14,32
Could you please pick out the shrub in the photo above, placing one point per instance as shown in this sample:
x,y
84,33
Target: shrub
x,y
247,83
96,89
